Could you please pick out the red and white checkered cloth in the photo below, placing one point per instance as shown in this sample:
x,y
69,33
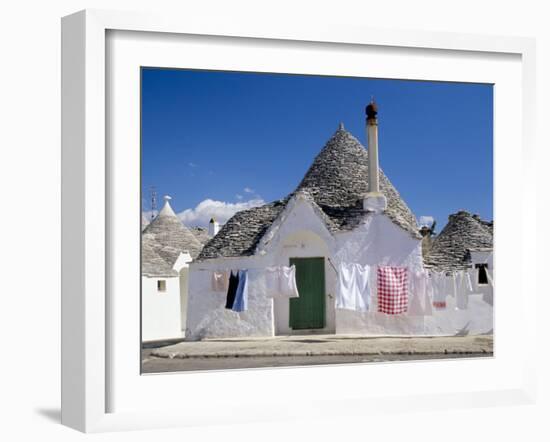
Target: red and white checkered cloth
x,y
393,294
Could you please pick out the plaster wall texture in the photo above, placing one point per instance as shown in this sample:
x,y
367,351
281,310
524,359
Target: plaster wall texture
x,y
184,293
160,318
480,257
207,316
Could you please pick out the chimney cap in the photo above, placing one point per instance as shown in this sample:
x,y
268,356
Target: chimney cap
x,y
371,110
341,126
212,220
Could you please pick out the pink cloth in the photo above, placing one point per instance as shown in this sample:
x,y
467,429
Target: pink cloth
x,y
220,281
393,296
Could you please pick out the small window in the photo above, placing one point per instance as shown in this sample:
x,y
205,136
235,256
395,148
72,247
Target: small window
x,y
161,285
482,274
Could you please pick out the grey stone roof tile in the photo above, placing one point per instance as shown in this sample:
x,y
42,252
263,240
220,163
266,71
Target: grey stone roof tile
x,y
152,263
240,235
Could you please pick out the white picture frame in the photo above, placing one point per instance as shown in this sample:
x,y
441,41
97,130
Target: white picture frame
x,y
86,212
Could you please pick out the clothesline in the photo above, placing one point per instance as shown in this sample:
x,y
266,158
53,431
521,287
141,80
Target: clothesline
x,y
394,289
333,266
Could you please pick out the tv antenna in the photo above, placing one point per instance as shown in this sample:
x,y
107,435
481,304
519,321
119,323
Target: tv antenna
x,y
153,193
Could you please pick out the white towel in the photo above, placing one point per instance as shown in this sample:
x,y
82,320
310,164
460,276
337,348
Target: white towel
x,y
288,282
441,288
463,290
353,289
420,303
280,282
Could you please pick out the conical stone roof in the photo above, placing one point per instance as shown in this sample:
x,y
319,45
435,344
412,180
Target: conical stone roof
x,y
152,263
464,232
144,222
336,182
339,175
168,231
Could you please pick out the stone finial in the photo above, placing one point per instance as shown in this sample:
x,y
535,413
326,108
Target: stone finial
x,y
167,198
341,126
371,110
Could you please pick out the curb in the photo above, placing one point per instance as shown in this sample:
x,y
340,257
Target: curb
x,y
169,355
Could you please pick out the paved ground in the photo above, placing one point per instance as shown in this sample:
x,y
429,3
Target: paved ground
x,y
219,354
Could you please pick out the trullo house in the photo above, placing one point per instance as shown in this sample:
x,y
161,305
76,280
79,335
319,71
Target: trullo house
x,y
345,210
167,248
466,242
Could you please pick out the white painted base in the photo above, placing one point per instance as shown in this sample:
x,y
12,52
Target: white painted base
x,y
477,319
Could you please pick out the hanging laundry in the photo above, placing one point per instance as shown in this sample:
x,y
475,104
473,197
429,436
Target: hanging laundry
x,y
420,302
289,289
241,295
490,277
392,290
353,288
280,282
441,289
488,292
463,289
220,281
451,282
473,279
232,290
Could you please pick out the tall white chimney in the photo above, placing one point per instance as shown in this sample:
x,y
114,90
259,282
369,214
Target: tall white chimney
x,y
213,227
374,200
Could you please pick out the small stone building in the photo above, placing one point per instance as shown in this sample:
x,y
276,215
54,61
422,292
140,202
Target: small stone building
x,y
167,248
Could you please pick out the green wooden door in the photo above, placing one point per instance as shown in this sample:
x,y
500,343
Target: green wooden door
x,y
308,311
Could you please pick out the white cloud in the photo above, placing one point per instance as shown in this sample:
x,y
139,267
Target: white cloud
x,y
239,197
248,190
193,165
221,210
425,220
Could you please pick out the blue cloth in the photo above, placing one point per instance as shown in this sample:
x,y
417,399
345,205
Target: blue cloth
x,y
241,297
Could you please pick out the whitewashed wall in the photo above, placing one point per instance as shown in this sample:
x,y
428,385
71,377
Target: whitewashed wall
x,y
476,319
206,313
184,292
487,290
160,318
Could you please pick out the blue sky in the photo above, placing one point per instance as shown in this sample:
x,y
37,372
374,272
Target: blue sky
x,y
220,141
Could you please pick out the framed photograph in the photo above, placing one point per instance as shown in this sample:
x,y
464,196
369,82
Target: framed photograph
x,y
256,217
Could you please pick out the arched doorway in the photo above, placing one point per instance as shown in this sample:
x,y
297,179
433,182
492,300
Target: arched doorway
x,y
313,311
